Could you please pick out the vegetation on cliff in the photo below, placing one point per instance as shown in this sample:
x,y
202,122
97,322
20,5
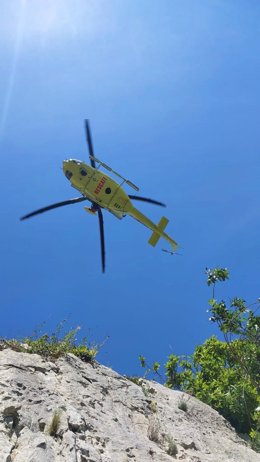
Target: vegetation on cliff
x,y
54,345
224,373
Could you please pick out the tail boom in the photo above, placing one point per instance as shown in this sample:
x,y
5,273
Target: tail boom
x,y
158,230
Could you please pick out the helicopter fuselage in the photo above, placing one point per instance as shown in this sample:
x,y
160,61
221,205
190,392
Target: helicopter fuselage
x,y
97,187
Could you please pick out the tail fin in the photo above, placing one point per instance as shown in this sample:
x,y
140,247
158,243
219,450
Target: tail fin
x,y
156,236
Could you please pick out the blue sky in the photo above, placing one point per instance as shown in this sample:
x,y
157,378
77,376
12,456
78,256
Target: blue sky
x,y
172,93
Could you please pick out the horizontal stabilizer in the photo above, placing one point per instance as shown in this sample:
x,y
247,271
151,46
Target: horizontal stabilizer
x,y
156,236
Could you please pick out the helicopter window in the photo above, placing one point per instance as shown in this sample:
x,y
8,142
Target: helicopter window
x,y
68,174
83,172
107,190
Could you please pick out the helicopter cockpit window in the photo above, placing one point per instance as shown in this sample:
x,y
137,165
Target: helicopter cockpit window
x,y
83,172
68,174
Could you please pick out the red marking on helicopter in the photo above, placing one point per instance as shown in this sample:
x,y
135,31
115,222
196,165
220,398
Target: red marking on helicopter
x,y
100,185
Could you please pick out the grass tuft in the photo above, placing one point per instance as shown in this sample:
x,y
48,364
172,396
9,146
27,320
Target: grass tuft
x,y
172,449
183,406
55,423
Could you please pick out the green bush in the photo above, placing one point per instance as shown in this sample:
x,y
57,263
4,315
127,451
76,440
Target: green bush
x,y
225,373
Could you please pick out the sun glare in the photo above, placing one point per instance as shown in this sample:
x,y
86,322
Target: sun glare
x,y
53,18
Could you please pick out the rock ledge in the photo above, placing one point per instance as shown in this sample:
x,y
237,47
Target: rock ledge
x,y
70,411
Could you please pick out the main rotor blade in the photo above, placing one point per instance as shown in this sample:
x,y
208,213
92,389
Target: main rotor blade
x,y
102,238
145,199
54,206
90,145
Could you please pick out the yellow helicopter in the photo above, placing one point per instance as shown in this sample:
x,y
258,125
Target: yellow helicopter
x,y
105,193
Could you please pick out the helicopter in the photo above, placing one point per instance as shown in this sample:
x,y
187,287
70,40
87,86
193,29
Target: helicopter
x,y
103,192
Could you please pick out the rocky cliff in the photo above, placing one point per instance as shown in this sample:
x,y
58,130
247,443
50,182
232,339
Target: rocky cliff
x,y
71,411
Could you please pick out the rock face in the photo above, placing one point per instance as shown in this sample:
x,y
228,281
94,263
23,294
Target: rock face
x,y
70,411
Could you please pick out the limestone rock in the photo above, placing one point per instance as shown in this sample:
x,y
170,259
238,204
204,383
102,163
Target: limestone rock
x,y
71,411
